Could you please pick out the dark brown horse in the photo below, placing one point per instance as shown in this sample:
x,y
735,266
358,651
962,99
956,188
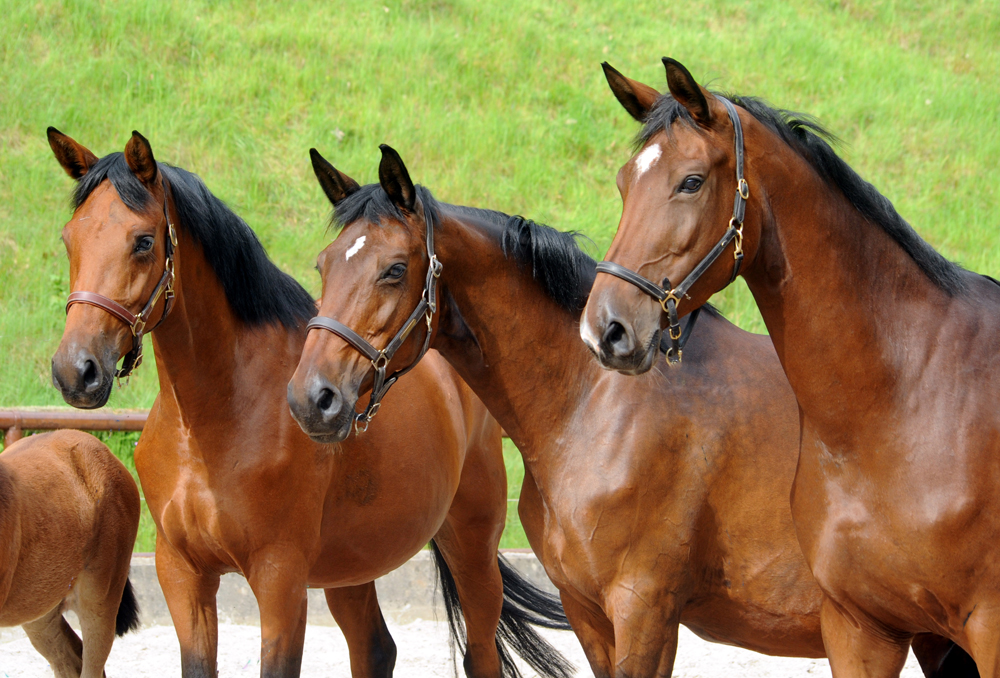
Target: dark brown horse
x,y
889,348
650,502
69,511
231,481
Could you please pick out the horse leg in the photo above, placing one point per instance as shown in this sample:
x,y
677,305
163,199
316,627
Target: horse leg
x,y
190,598
468,541
356,610
279,583
52,636
592,630
939,657
646,623
856,650
98,596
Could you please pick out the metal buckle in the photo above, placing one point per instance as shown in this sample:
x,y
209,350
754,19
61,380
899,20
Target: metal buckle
x,y
381,362
743,188
675,337
670,296
436,266
138,326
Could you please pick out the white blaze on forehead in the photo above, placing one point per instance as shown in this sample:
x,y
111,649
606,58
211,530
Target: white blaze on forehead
x,y
355,248
645,160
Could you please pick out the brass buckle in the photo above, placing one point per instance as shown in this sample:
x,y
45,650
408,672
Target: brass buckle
x,y
670,295
743,188
738,240
381,362
670,331
138,326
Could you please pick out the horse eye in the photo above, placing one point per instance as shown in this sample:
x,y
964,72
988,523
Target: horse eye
x,y
691,184
144,244
395,272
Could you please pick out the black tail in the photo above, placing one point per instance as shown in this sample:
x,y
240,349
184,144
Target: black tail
x,y
524,606
128,612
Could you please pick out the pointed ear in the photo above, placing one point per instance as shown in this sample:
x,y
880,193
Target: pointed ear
x,y
139,156
637,98
687,92
73,157
395,179
334,183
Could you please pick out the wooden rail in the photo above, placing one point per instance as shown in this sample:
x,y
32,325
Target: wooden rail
x,y
15,421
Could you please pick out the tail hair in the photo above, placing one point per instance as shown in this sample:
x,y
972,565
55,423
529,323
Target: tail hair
x,y
524,606
128,611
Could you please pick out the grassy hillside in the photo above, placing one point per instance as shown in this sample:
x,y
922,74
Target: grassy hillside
x,y
492,104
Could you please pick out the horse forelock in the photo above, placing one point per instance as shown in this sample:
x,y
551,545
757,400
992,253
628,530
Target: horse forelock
x,y
258,292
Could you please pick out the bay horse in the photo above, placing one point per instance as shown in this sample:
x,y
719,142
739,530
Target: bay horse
x,y
232,483
69,513
889,348
650,502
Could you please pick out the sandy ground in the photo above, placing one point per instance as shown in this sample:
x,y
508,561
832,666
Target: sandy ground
x,y
423,653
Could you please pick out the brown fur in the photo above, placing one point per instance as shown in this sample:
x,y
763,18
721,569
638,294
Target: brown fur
x,y
69,512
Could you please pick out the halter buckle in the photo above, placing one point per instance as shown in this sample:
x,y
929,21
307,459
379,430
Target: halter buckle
x,y
138,327
743,188
667,299
380,363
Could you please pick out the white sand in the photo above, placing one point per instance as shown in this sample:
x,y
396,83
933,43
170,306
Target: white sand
x,y
422,653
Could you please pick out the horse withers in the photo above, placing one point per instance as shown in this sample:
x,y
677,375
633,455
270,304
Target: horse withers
x,y
231,481
889,348
69,512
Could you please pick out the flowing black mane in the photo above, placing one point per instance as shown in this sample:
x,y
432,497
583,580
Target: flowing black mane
x,y
809,139
258,291
557,262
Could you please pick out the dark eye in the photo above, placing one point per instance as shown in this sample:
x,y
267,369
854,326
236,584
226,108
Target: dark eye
x,y
690,184
394,272
144,244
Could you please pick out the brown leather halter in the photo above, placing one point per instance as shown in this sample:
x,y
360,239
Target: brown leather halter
x,y
668,297
380,359
138,323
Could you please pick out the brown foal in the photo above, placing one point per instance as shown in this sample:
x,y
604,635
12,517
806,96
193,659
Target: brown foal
x,y
69,512
231,481
890,350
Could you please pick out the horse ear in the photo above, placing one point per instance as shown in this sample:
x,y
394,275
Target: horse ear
x,y
395,180
334,183
73,157
686,91
139,156
637,98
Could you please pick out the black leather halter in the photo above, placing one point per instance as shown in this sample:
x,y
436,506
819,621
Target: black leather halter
x,y
669,297
137,323
380,359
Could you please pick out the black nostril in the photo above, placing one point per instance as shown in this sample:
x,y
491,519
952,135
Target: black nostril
x,y
90,379
614,333
325,400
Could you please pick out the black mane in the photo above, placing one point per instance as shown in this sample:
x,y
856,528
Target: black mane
x,y
809,139
557,262
258,291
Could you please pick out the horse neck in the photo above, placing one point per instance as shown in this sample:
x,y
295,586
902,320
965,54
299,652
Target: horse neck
x,y
837,293
515,347
204,353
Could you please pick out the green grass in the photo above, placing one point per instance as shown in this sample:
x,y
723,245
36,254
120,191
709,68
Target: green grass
x,y
493,104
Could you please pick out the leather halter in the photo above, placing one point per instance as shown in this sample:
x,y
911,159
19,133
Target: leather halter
x,y
137,323
380,359
669,297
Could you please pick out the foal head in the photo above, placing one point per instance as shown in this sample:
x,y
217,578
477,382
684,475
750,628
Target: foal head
x,y
373,278
677,194
116,242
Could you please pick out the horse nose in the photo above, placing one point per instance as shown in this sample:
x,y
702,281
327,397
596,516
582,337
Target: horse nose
x,y
78,372
320,404
617,340
326,398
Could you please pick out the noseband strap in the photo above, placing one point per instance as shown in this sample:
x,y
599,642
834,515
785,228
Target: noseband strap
x,y
380,359
138,323
669,297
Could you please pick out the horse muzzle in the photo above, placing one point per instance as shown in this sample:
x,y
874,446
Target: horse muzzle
x,y
83,379
321,409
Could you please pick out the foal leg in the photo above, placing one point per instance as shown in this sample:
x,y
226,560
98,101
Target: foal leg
x,y
52,636
190,598
356,610
855,650
99,593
